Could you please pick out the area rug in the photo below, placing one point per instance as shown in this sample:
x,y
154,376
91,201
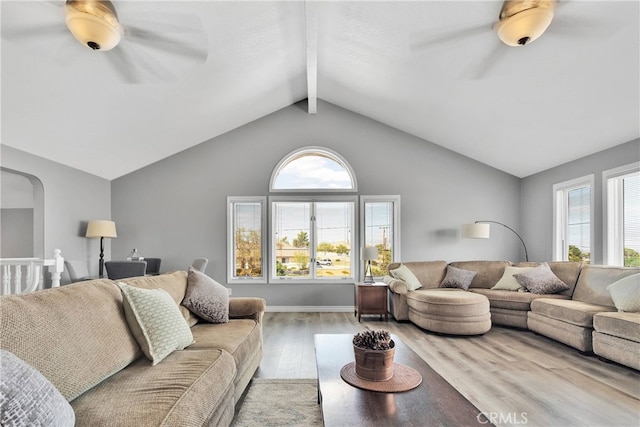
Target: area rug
x,y
280,402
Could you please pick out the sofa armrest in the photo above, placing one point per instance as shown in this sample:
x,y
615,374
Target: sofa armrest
x,y
398,286
247,308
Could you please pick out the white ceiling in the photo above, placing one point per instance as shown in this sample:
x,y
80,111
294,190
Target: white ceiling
x,y
573,92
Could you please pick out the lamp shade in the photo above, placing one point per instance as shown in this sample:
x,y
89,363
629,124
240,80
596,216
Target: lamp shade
x,y
476,231
94,24
525,26
101,228
370,253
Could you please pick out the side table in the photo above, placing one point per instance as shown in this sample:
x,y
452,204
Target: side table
x,y
371,298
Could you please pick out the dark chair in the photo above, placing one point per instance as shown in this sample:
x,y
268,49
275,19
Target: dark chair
x,y
153,266
122,269
200,264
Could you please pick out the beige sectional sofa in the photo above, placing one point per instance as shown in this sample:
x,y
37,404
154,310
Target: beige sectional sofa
x,y
582,313
77,336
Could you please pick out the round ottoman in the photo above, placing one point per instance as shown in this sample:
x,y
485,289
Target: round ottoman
x,y
449,311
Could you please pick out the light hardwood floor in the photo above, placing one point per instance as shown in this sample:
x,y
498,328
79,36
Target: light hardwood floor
x,y
515,377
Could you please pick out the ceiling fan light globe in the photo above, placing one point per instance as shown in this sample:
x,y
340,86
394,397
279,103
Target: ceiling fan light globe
x,y
524,27
96,32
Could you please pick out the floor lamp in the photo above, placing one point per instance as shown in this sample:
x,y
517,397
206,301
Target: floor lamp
x,y
101,229
482,230
369,253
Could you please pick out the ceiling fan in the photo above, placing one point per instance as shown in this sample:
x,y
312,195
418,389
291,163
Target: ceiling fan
x,y
520,22
129,48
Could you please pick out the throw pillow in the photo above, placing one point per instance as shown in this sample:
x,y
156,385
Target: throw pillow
x,y
541,280
155,321
625,293
207,298
27,398
403,273
458,278
509,283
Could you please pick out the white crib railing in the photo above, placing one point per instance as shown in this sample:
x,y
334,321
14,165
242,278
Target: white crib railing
x,y
22,275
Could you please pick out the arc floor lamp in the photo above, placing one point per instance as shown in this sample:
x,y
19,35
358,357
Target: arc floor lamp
x,y
482,230
101,229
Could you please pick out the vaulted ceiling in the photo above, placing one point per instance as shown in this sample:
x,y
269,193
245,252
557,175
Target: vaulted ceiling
x,y
434,69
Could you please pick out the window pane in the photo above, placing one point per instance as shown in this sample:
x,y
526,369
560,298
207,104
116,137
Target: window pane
x,y
333,236
631,196
292,234
247,225
579,224
313,169
378,223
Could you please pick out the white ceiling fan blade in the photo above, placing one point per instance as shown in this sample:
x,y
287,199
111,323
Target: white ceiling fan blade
x,y
490,61
192,49
123,64
433,39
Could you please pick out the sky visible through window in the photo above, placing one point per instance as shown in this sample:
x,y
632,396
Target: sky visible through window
x,y
631,191
312,172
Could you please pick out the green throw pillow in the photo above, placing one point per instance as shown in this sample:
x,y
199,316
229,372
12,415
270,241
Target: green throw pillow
x,y
625,293
155,321
509,283
403,273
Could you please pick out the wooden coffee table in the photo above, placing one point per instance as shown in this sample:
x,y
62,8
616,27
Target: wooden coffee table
x,y
433,403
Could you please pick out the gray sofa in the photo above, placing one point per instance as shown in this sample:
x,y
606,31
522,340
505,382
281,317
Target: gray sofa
x,y
582,314
77,336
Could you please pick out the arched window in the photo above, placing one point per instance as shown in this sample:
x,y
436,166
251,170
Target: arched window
x,y
313,169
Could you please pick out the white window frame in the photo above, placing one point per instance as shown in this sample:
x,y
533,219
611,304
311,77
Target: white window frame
x,y
395,199
560,214
613,212
309,151
273,278
231,266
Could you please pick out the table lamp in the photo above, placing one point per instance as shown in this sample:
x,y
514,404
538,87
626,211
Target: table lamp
x,y
101,229
369,253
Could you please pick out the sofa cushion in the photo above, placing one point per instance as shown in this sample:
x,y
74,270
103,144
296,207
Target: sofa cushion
x,y
242,338
175,283
509,283
406,275
207,298
593,281
457,278
155,321
567,271
541,280
100,345
189,388
428,273
28,398
625,293
488,272
574,312
513,300
619,324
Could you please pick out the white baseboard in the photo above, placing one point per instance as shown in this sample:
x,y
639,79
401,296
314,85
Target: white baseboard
x,y
310,309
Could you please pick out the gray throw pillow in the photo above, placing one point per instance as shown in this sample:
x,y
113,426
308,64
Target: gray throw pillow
x,y
541,280
27,398
206,298
458,278
625,293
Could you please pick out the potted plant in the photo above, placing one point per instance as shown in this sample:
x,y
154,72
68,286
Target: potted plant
x,y
374,351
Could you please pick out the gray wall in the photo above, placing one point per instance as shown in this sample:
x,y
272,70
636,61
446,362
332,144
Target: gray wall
x,y
176,208
16,227
537,200
71,198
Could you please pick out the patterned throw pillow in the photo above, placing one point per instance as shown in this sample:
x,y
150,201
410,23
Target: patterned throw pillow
x,y
541,280
509,283
207,298
625,293
155,321
403,273
27,398
458,278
